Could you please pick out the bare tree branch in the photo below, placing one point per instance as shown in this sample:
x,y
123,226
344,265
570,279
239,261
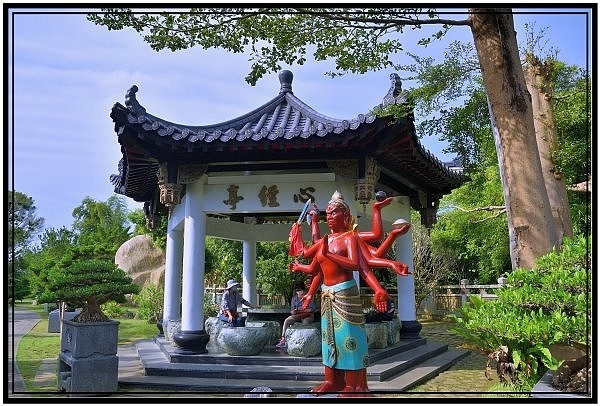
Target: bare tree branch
x,y
498,209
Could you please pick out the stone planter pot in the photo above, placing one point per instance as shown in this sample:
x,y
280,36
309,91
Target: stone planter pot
x,y
88,359
544,389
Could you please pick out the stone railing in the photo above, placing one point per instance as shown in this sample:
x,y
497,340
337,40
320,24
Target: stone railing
x,y
440,303
214,294
262,299
447,298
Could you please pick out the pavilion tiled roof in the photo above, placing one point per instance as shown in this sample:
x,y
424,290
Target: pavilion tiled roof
x,y
283,133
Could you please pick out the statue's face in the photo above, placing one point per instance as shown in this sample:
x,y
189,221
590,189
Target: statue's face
x,y
337,218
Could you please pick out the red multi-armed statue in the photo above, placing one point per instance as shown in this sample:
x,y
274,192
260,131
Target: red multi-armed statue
x,y
334,257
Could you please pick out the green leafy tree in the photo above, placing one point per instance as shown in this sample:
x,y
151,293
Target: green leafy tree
x,y
471,217
18,285
467,130
158,234
365,39
223,261
432,267
54,252
89,283
572,155
272,270
150,303
472,225
23,225
101,227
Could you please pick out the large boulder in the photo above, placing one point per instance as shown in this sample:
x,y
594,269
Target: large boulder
x,y
272,325
303,341
142,260
377,335
243,340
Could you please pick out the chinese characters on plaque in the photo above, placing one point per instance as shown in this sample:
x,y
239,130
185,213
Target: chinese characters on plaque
x,y
267,196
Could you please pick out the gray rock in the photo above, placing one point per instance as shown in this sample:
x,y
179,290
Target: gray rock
x,y
173,327
303,341
142,260
213,327
393,329
377,335
273,326
243,340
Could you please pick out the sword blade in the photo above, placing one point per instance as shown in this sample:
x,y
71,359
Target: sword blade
x,y
304,211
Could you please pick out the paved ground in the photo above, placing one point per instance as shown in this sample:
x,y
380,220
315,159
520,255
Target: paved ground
x,y
465,379
20,322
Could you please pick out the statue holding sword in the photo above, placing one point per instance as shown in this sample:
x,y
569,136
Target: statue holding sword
x,y
334,259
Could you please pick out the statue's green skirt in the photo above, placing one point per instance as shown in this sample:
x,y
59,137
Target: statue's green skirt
x,y
344,340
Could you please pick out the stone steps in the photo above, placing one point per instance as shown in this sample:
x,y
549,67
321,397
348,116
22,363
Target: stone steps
x,y
394,369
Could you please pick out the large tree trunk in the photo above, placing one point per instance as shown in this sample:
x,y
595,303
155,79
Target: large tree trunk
x,y
540,90
530,220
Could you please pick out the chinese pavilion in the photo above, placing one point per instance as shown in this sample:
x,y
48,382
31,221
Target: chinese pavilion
x,y
248,179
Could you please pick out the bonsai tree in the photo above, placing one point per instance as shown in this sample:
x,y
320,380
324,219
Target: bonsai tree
x,y
89,284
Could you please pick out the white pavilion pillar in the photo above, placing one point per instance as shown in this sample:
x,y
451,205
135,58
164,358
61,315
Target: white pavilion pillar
x,y
193,267
173,267
249,271
192,336
407,312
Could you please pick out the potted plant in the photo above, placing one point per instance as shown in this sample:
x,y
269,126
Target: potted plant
x,y
88,360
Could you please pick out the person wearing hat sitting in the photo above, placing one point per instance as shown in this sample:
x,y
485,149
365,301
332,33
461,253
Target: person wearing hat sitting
x,y
229,304
298,313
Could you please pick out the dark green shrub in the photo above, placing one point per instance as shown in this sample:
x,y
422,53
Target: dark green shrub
x,y
535,309
150,303
113,310
211,309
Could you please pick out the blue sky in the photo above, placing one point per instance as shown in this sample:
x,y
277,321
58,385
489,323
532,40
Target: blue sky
x,y
65,74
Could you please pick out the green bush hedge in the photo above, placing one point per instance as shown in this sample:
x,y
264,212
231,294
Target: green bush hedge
x,y
535,309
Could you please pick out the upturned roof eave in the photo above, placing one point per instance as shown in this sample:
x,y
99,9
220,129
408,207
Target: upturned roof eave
x,y
315,136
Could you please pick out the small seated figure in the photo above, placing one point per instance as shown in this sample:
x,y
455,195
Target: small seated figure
x,y
229,305
298,313
373,316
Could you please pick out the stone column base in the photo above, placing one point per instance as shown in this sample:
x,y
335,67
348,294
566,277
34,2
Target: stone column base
x,y
410,329
193,342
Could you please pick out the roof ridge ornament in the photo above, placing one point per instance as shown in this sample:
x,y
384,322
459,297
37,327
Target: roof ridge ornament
x,y
285,78
395,90
398,97
131,101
